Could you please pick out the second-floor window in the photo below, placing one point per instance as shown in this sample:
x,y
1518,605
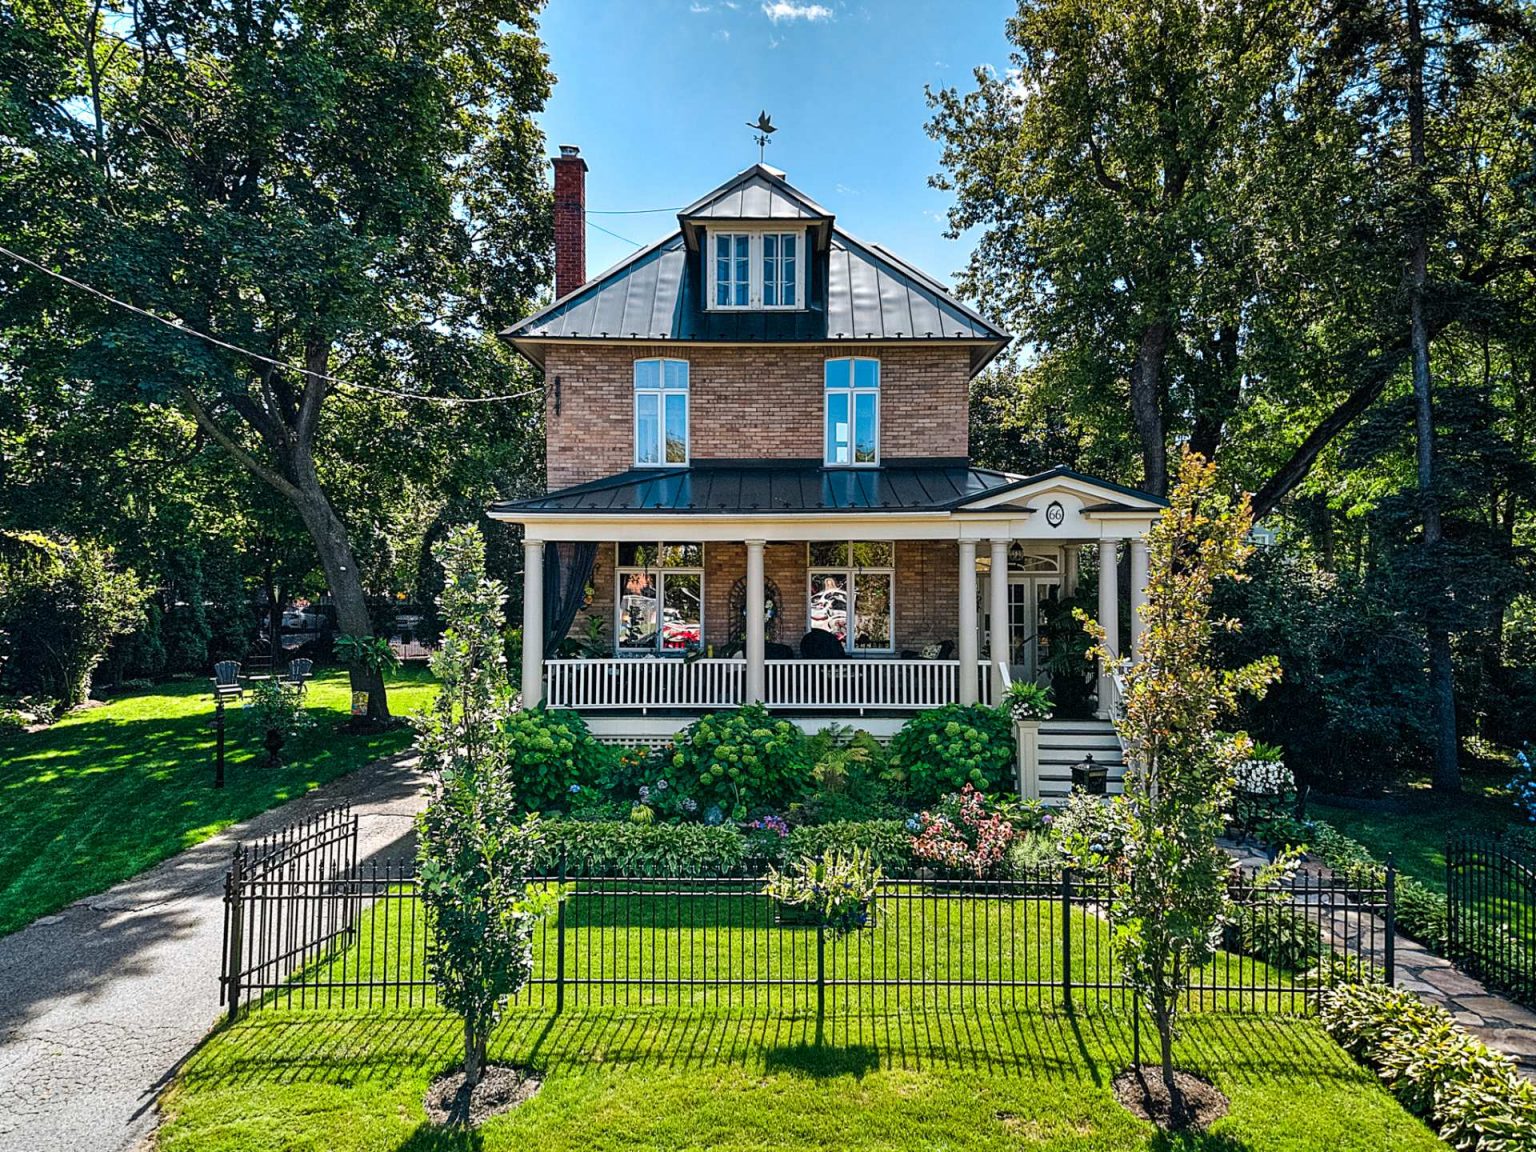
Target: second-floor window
x,y
661,412
853,411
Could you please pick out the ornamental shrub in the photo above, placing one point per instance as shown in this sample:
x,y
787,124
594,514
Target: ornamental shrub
x,y
622,847
1472,1096
743,759
944,749
887,842
964,835
547,752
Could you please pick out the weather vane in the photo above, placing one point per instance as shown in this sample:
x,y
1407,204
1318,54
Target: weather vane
x,y
764,129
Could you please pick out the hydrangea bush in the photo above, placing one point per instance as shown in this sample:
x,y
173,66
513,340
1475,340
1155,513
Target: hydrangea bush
x,y
1523,786
744,759
944,749
549,750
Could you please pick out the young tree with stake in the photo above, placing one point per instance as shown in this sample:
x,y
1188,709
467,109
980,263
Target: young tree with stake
x,y
1168,878
475,854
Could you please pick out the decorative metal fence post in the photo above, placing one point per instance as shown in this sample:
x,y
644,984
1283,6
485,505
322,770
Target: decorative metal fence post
x,y
1066,937
234,920
1391,920
821,973
560,941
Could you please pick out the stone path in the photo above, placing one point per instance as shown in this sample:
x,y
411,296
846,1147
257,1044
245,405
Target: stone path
x,y
100,1003
1499,1023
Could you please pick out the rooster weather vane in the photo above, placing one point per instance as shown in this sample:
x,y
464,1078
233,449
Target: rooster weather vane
x,y
763,128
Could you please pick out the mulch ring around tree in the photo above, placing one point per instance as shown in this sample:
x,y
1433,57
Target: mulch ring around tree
x,y
1142,1093
450,1103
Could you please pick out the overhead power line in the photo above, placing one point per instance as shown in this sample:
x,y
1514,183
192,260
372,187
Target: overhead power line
x,y
178,326
615,235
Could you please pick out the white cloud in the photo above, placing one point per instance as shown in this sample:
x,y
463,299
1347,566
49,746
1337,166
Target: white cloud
x,y
723,34
698,9
789,10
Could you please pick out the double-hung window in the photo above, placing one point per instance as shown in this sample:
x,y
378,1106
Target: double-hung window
x,y
780,259
853,411
660,604
853,593
733,270
661,412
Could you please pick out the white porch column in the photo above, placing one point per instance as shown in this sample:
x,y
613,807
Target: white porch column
x,y
1109,618
997,594
1138,596
533,622
966,643
756,678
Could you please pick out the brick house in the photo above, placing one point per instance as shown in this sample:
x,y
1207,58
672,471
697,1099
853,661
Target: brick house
x,y
760,486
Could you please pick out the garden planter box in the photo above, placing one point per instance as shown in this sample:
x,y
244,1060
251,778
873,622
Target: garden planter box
x,y
799,916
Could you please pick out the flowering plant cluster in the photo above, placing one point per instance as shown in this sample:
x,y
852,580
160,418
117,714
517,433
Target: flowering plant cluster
x,y
667,801
1523,786
838,890
1027,700
1263,777
964,834
770,823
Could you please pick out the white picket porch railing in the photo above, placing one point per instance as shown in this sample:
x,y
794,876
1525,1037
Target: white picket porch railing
x,y
824,685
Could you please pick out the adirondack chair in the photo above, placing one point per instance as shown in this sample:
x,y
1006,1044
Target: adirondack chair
x,y
226,680
300,670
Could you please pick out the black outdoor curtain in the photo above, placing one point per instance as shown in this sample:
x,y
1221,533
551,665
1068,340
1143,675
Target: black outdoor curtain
x,y
564,586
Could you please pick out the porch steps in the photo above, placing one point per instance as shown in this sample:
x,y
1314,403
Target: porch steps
x,y
1064,743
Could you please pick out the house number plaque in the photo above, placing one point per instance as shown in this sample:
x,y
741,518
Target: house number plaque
x,y
1055,514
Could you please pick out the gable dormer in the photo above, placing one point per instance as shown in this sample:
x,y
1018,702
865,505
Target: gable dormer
x,y
756,243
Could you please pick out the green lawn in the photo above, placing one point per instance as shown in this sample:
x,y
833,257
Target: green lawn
x,y
694,1080
110,791
1416,836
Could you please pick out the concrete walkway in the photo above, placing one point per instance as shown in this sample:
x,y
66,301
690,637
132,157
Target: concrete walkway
x,y
100,1003
1499,1023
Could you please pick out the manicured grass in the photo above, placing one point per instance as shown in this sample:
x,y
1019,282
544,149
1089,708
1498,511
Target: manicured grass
x,y
694,1080
110,791
647,944
1415,836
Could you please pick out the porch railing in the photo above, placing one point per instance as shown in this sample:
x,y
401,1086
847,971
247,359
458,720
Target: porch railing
x,y
824,685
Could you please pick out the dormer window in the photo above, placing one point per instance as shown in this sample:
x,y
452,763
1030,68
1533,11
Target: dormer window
x,y
755,270
661,412
733,270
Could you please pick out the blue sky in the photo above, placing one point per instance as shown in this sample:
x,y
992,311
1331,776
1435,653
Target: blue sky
x,y
657,93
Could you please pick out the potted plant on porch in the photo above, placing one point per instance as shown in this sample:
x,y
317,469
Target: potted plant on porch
x,y
1028,704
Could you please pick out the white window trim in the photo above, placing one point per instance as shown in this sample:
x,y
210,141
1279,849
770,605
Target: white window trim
x,y
755,269
661,412
851,570
659,574
851,392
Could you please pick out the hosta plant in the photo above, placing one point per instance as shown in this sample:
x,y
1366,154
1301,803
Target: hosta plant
x,y
836,890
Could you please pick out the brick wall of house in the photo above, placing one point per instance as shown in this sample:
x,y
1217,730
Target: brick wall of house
x,y
746,402
927,587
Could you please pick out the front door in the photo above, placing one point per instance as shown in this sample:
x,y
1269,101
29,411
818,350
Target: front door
x,y
1031,603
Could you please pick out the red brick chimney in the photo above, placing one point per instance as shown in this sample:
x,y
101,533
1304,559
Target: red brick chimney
x,y
570,221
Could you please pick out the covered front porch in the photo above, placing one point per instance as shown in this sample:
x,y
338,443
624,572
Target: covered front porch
x,y
866,610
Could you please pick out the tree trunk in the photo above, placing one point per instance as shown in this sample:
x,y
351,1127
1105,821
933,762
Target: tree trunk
x,y
1147,406
472,1058
341,574
1447,772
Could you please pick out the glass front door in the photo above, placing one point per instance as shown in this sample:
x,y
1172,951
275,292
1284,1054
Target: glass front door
x,y
1031,603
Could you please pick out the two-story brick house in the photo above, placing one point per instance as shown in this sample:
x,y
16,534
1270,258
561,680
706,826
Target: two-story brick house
x,y
759,483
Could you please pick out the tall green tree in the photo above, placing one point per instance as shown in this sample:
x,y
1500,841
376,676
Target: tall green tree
x,y
352,192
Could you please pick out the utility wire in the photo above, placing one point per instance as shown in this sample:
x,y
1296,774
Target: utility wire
x,y
177,326
615,235
628,211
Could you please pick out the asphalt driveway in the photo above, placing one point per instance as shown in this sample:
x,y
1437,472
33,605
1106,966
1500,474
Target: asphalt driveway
x,y
101,1002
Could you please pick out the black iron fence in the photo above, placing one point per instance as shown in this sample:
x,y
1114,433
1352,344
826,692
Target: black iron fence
x,y
1491,914
316,934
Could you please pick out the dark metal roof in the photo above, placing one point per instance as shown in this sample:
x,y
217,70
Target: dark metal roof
x,y
772,488
759,193
859,292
